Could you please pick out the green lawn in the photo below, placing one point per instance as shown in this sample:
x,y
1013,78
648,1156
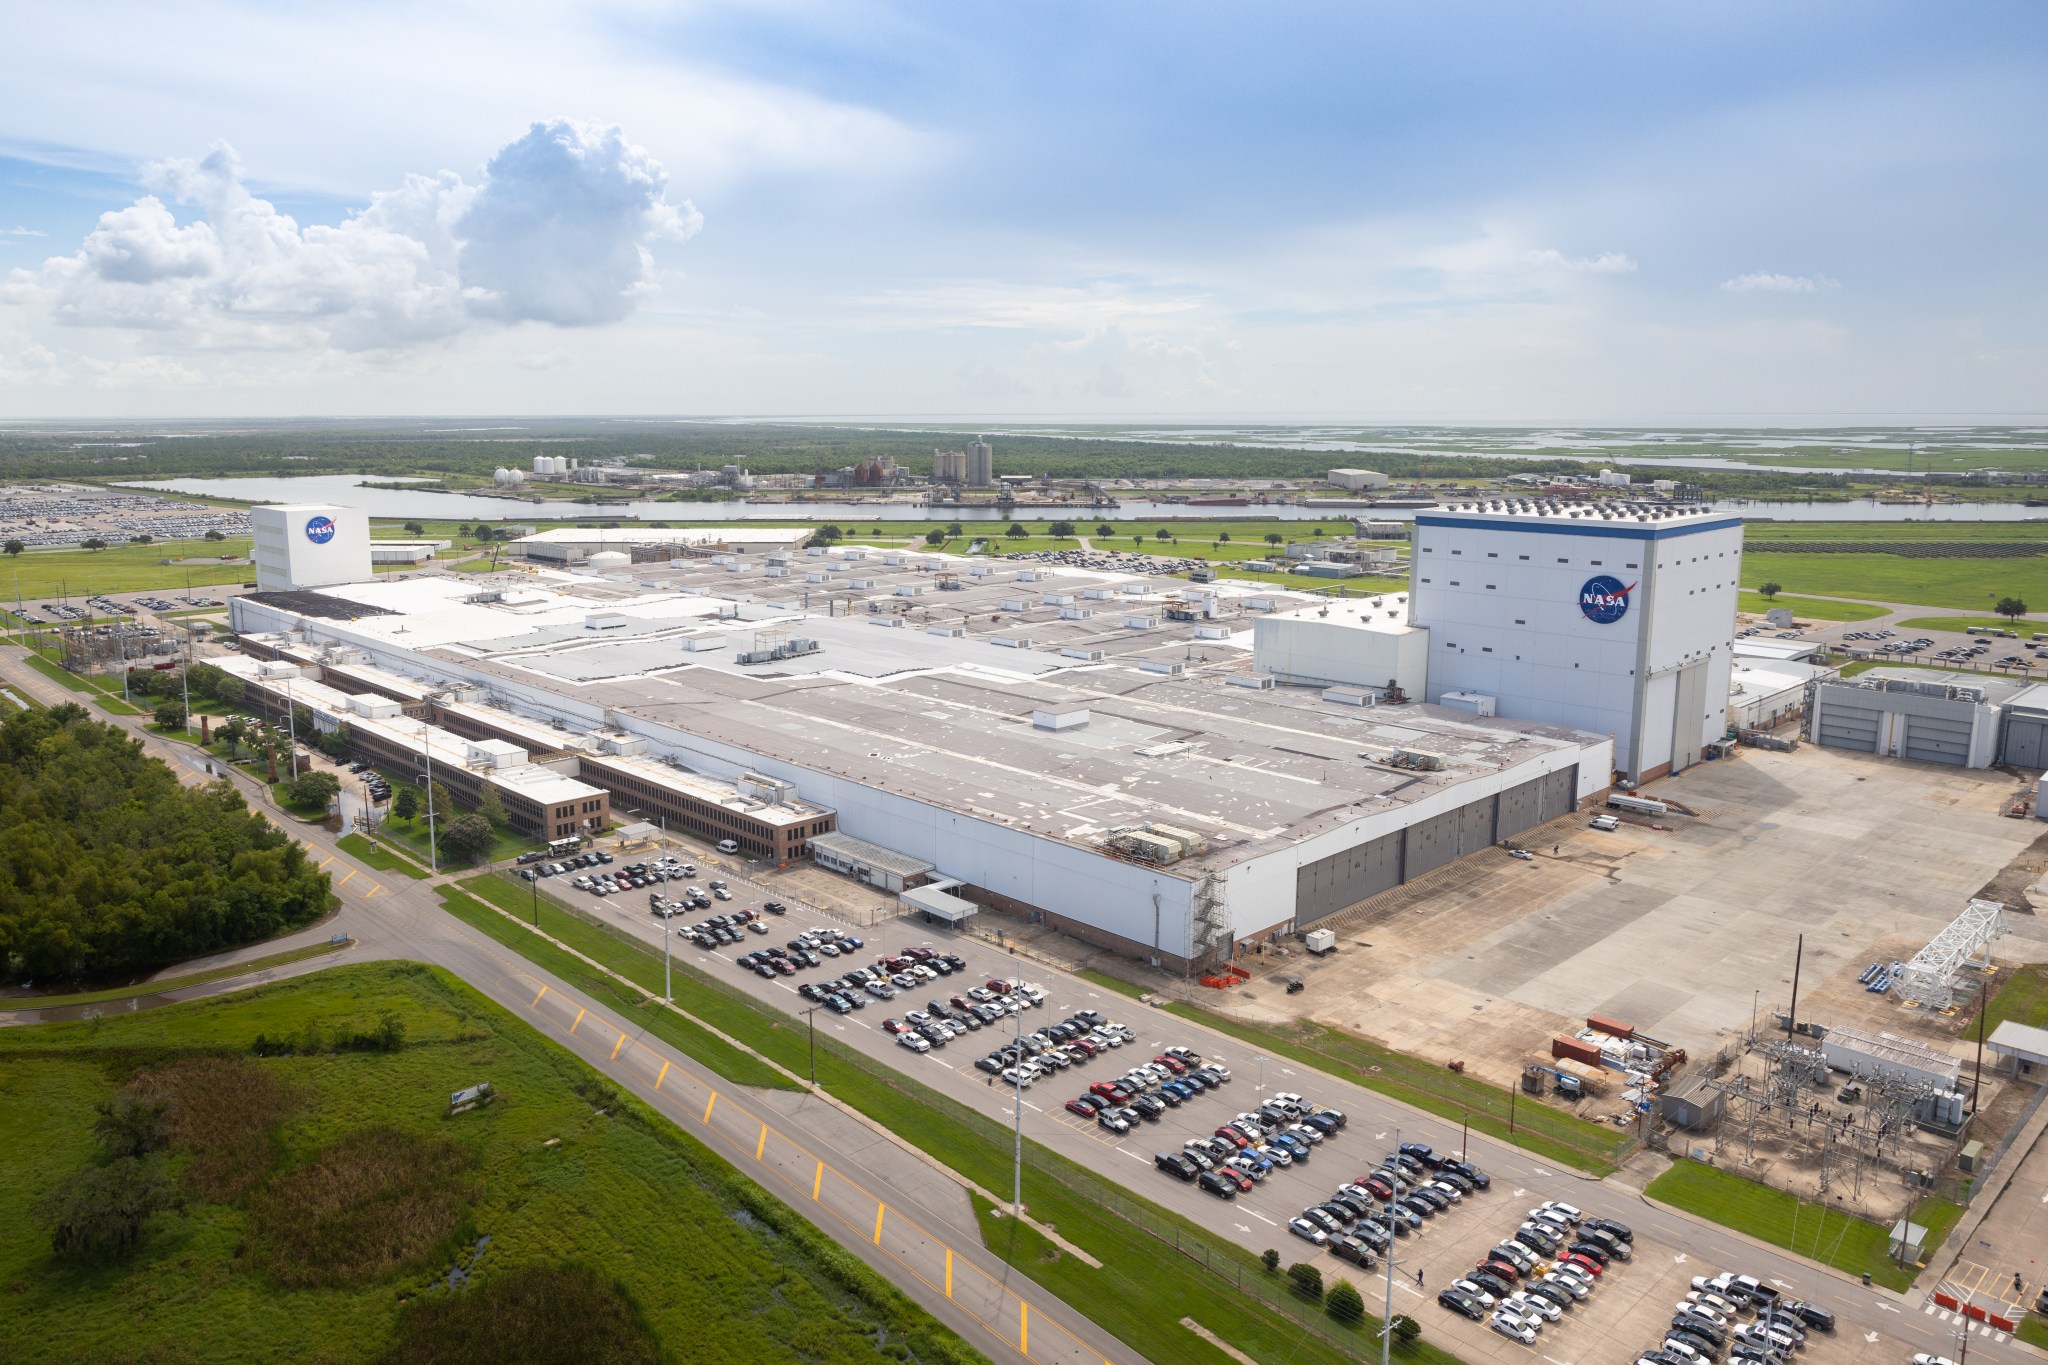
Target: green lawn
x,y
375,855
1145,1287
1919,531
2021,994
2033,1330
411,836
1538,1128
174,983
1812,1230
1815,608
1111,983
1961,584
59,674
2023,625
126,568
716,1268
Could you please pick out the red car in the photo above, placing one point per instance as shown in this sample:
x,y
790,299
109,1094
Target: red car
x,y
895,1026
1085,1106
1233,1137
1584,1262
998,986
1087,1045
1173,1064
1110,1091
1503,1270
1379,1186
1236,1177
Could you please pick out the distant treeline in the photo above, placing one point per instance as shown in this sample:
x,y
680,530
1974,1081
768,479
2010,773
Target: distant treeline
x,y
108,864
766,449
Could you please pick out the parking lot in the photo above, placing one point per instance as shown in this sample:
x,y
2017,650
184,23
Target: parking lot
x,y
1633,1302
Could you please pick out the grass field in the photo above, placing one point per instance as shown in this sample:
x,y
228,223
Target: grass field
x,y
716,1268
1145,1287
2022,995
375,855
173,983
1814,608
411,836
123,568
1961,584
2023,625
1813,1230
1967,531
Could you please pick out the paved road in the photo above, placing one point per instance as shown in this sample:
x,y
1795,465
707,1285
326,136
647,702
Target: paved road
x,y
832,1169
405,921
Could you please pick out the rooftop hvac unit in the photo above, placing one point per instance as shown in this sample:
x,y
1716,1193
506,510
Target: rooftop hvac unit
x,y
775,573
1009,642
1172,668
910,589
895,559
1258,682
1059,717
949,632
1015,604
698,644
1133,589
625,746
1057,599
891,621
1212,632
1186,838
815,551
1472,703
1258,604
1141,623
1093,656
1098,594
1075,613
1152,848
981,570
819,577
861,583
1350,696
1420,760
1028,575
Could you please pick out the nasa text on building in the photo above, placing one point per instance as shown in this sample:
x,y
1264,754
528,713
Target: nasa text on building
x,y
309,545
1610,617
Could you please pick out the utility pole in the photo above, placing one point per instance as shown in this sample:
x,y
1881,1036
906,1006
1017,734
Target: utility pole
x,y
1387,1321
291,720
1017,1158
1983,1008
668,992
433,844
810,1018
1792,1016
185,679
534,883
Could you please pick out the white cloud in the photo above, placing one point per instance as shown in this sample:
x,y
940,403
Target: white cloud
x,y
1764,282
22,232
556,231
1606,263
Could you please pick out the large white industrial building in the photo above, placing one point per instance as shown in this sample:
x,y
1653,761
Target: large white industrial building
x,y
309,545
1092,748
1609,617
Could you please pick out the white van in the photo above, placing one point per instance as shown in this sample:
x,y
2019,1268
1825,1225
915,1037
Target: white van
x,y
1606,822
728,845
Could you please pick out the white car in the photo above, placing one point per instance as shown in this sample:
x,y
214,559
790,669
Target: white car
x,y
1923,1358
1018,1077
1288,1097
1468,1287
1673,1346
1447,1190
1513,1328
913,1041
1570,1284
1707,1298
1301,1227
1700,1310
1526,1304
1279,1156
1560,1207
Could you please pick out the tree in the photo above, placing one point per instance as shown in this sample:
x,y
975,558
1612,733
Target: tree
x,y
955,530
216,535
492,807
1319,530
1063,529
170,715
935,537
102,1211
439,808
1307,1280
1223,538
315,789
14,547
233,734
827,534
1016,531
133,1125
405,803
1271,1260
143,539
1407,1331
1274,537
1770,590
1105,529
231,691
336,742
2011,608
415,528
468,836
1344,1303
93,543
1162,534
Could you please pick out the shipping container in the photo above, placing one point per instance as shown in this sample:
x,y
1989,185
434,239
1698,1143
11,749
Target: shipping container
x,y
1602,1024
1562,1046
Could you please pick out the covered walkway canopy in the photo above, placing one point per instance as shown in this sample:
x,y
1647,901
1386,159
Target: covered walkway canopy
x,y
936,903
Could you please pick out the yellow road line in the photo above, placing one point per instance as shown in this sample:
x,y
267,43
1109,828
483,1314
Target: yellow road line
x,y
1023,1328
662,1077
536,999
375,887
330,858
880,1209
344,881
579,1019
949,1272
817,1182
707,1106
762,1145
616,1046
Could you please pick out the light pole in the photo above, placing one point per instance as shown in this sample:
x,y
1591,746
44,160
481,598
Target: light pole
x,y
1017,1158
668,993
433,843
534,882
291,720
810,1018
1387,1321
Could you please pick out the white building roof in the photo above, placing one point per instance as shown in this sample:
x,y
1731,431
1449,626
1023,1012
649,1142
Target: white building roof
x,y
2013,1039
1785,651
740,533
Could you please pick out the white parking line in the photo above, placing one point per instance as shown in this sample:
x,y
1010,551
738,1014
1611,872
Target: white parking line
x,y
1262,1218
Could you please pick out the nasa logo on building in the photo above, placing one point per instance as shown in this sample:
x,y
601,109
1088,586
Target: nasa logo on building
x,y
320,530
1604,599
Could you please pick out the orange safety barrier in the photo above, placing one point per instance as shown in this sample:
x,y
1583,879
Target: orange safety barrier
x,y
1947,1301
2002,1324
1971,1310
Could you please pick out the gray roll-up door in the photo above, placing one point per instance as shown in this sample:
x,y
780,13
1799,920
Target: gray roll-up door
x,y
1432,843
1560,793
1688,717
1475,826
2026,742
1841,726
1328,885
1938,739
1521,807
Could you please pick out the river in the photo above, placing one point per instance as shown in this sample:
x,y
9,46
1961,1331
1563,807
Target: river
x,y
400,504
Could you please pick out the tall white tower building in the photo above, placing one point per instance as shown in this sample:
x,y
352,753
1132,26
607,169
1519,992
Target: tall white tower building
x,y
981,463
1613,617
309,545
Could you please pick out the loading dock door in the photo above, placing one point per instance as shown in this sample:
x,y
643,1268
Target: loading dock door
x,y
1688,715
1521,808
2026,742
1560,793
1475,826
1328,885
1938,739
1841,726
1432,843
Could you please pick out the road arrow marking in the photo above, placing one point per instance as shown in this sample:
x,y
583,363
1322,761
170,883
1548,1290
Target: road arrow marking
x,y
1242,1227
1679,1259
1870,1337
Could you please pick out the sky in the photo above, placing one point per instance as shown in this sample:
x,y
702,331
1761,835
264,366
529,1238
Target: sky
x,y
1109,210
